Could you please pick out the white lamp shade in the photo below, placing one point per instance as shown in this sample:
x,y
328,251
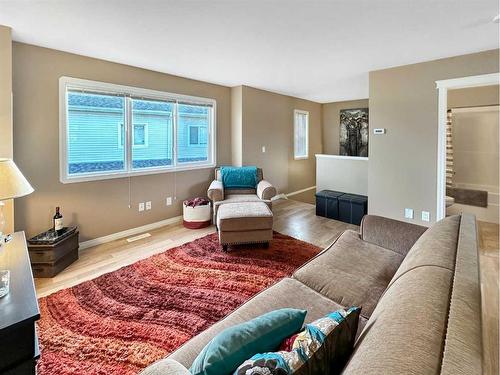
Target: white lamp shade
x,y
12,182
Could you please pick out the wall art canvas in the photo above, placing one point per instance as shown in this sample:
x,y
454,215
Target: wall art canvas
x,y
354,132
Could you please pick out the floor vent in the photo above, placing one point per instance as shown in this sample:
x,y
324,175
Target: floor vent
x,y
139,237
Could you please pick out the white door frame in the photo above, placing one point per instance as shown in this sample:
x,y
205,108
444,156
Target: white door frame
x,y
443,86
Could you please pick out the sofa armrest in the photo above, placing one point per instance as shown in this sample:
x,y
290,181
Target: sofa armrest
x,y
165,367
216,191
395,235
265,190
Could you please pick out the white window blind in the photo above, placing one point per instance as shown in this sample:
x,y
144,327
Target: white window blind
x,y
301,134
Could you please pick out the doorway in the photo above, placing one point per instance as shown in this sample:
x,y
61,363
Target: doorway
x,y
444,87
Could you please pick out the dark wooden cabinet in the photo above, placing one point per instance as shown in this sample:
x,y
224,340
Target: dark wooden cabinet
x,y
48,260
18,311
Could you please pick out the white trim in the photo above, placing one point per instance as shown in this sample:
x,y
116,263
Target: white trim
x,y
470,81
68,83
129,232
300,191
485,108
341,157
306,114
443,86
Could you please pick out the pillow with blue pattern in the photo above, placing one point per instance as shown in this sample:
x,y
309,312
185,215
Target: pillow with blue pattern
x,y
323,347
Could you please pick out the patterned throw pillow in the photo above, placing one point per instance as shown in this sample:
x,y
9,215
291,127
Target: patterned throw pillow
x,y
323,347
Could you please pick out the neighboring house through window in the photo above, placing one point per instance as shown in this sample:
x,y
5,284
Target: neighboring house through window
x,y
197,135
140,135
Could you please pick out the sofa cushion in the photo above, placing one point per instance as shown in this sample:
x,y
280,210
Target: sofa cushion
x,y
286,293
236,217
323,347
391,234
166,367
406,331
351,272
436,247
227,350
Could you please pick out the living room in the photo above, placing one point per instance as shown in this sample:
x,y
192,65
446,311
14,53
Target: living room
x,y
173,172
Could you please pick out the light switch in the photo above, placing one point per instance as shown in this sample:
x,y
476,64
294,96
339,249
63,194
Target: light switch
x,y
263,149
426,216
408,213
148,205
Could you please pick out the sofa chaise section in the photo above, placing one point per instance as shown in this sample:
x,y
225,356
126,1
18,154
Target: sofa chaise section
x,y
425,320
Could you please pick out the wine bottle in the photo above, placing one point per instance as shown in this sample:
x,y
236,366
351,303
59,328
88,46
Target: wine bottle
x,y
58,222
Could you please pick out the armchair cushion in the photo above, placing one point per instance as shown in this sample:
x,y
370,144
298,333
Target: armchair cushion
x,y
216,191
265,190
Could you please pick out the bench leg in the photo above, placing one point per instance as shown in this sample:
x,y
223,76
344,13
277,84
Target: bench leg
x,y
224,248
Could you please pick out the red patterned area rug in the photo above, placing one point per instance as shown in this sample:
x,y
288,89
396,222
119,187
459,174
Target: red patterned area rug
x,y
125,320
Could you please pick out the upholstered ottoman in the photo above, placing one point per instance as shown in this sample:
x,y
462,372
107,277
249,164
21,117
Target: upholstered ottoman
x,y
243,223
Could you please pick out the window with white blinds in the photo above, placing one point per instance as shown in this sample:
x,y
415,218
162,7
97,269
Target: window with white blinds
x,y
112,131
301,134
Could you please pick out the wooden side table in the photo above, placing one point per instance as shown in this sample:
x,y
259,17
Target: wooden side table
x,y
18,311
47,260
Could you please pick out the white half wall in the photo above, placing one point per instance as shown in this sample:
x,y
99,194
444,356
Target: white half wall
x,y
342,173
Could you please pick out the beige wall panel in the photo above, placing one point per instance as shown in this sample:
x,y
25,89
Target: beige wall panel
x,y
402,170
100,207
268,121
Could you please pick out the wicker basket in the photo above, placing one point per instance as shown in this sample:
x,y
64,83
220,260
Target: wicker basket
x,y
196,217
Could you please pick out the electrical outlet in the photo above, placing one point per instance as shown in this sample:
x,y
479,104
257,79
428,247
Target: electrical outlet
x,y
169,201
408,213
263,149
141,206
148,205
426,216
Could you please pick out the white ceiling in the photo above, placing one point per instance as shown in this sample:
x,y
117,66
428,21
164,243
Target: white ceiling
x,y
317,50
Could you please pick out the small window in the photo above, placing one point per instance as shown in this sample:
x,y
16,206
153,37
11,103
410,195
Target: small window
x,y
194,132
301,134
140,137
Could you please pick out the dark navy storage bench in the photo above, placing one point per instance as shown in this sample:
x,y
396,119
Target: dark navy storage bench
x,y
349,208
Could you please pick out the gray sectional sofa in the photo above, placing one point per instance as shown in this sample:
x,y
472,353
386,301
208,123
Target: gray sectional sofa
x,y
418,288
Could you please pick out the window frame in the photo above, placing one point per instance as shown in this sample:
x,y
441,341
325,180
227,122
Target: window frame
x,y
68,83
297,112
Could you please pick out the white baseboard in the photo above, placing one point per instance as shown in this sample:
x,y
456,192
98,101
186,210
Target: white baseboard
x,y
300,191
129,232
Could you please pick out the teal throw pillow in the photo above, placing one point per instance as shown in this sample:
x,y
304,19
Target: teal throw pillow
x,y
226,351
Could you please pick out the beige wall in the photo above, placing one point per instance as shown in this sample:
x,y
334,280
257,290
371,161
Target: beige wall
x,y
331,123
6,111
100,207
341,173
267,120
473,96
236,126
402,169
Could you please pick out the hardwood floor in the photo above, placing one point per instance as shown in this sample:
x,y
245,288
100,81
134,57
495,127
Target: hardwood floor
x,y
488,265
297,219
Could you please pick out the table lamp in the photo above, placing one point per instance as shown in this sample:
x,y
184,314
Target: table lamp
x,y
12,185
